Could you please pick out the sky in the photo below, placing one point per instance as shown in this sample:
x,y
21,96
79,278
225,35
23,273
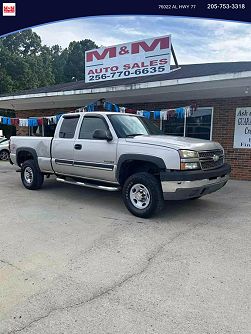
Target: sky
x,y
194,40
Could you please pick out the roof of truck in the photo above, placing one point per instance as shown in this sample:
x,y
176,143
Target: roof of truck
x,y
97,112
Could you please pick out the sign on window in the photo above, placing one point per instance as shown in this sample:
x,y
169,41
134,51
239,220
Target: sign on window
x,y
136,59
242,131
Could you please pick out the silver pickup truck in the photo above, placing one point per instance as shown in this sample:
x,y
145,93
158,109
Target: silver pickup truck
x,y
116,151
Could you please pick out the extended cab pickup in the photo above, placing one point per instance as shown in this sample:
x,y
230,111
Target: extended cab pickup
x,y
113,151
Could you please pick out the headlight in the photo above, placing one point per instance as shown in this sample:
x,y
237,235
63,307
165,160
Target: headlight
x,y
188,154
189,165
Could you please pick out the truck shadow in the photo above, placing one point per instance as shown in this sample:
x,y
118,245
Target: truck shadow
x,y
209,206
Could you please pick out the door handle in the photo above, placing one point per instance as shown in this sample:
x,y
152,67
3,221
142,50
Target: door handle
x,y
78,146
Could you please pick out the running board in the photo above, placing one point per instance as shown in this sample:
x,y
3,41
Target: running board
x,y
89,185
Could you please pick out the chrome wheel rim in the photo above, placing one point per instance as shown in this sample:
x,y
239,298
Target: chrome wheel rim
x,y
28,175
140,196
4,156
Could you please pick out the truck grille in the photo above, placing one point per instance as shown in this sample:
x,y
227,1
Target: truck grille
x,y
211,159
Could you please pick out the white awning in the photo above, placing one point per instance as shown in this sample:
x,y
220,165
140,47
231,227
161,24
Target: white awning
x,y
204,87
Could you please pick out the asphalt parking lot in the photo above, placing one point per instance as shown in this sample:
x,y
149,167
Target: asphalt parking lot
x,y
73,260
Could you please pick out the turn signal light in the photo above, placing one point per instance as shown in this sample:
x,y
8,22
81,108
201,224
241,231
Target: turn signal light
x,y
189,165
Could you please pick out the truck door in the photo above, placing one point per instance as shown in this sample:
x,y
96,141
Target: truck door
x,y
94,158
63,145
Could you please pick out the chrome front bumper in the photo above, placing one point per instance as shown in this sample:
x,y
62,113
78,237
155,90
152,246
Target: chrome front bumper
x,y
175,189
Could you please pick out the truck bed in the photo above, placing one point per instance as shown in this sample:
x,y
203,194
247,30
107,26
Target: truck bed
x,y
42,146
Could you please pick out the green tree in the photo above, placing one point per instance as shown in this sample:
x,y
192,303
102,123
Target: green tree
x,y
44,68
26,63
75,64
23,43
59,59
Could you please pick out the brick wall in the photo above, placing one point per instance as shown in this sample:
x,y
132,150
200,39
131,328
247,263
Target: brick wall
x,y
223,126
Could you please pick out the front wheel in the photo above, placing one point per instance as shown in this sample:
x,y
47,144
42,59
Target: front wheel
x,y
142,194
4,155
31,176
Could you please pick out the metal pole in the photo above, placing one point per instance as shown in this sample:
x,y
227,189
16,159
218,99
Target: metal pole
x,y
174,56
185,123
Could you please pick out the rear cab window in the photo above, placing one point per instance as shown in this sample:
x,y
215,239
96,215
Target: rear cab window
x,y
68,126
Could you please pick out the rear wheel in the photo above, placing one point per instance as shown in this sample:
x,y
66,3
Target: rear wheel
x,y
142,195
4,155
31,176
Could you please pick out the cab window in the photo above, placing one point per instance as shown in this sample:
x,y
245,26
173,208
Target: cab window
x,y
90,125
68,127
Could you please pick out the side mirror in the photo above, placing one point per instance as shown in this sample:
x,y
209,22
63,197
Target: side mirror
x,y
102,134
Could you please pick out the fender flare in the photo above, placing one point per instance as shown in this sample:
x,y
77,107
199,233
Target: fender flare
x,y
139,157
31,151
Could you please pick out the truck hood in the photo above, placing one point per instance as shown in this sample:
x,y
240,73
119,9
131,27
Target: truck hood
x,y
176,142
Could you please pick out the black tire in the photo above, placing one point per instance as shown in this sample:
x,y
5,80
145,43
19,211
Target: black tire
x,y
4,155
153,194
31,176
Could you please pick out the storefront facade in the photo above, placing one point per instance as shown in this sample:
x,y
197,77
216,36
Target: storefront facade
x,y
216,96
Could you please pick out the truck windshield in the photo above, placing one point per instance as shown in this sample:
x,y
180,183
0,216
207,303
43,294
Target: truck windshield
x,y
131,126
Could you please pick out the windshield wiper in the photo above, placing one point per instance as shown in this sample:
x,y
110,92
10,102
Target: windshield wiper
x,y
134,135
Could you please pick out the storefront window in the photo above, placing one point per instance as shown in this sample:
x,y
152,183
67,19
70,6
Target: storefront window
x,y
199,125
7,130
42,130
36,131
174,126
49,130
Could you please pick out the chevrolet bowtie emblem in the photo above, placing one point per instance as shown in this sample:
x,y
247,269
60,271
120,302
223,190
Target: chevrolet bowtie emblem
x,y
215,157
